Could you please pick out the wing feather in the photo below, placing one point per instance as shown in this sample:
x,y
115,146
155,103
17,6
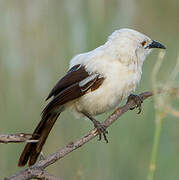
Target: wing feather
x,y
70,91
75,74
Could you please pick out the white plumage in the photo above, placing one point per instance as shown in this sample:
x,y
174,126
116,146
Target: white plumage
x,y
119,61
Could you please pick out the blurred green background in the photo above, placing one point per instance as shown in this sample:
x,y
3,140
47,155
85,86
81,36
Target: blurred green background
x,y
37,40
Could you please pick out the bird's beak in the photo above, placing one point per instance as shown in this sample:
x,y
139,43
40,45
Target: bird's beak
x,y
156,44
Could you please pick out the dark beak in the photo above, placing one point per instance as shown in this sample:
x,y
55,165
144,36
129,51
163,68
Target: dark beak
x,y
156,44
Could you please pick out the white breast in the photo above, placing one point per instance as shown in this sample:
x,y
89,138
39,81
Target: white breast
x,y
120,79
119,82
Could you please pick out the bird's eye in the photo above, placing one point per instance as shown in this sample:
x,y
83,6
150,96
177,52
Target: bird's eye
x,y
143,43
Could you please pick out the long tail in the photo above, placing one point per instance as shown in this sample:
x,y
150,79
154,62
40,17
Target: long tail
x,y
32,150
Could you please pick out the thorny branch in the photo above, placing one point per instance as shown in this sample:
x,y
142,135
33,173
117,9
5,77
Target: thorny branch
x,y
39,167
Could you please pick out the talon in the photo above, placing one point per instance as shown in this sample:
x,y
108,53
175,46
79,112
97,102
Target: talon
x,y
101,128
105,138
99,139
138,101
132,108
140,109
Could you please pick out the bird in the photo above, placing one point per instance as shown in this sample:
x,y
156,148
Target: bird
x,y
96,82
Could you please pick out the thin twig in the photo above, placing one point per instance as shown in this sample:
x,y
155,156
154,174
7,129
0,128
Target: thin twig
x,y
42,164
16,138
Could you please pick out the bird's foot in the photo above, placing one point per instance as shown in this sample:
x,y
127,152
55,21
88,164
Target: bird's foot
x,y
138,101
101,129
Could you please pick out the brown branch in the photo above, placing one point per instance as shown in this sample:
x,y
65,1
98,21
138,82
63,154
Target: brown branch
x,y
16,138
42,164
35,173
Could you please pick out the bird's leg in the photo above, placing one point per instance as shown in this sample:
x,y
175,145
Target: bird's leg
x,y
138,101
101,128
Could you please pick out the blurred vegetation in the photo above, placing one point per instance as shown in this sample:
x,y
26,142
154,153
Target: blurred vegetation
x,y
37,41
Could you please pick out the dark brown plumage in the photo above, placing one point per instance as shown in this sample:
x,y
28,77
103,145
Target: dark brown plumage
x,y
75,74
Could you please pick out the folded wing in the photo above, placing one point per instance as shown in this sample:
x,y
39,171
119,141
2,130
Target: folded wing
x,y
73,85
75,74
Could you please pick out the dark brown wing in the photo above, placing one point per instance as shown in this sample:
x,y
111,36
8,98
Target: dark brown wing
x,y
75,74
73,91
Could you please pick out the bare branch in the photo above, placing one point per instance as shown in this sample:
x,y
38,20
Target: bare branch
x,y
16,138
35,173
39,167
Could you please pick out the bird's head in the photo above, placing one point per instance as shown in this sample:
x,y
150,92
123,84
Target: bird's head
x,y
130,44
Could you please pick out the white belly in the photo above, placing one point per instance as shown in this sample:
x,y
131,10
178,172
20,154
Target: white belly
x,y
117,85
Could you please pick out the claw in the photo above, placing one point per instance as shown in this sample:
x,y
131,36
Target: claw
x,y
101,128
138,101
140,109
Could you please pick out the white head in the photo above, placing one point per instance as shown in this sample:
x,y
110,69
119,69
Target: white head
x,y
130,44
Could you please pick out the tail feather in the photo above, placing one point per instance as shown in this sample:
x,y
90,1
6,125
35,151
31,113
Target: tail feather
x,y
32,150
